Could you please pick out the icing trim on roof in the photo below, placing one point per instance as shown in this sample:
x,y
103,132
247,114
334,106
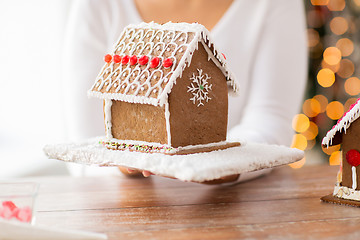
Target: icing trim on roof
x,y
343,124
201,35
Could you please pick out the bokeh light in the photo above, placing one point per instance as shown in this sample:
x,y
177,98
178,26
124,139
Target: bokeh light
x,y
326,77
335,110
311,132
313,37
323,102
319,2
311,107
346,68
335,158
349,102
339,25
299,141
298,164
332,55
336,5
352,86
346,46
333,68
300,123
329,150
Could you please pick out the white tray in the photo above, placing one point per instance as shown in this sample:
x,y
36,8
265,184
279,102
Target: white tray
x,y
197,167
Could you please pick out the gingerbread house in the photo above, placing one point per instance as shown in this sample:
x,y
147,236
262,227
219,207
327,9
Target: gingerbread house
x,y
164,87
347,133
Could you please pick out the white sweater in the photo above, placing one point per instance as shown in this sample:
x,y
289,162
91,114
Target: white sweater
x,y
264,42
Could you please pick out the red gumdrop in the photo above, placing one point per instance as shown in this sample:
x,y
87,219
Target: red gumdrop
x,y
353,157
154,62
125,59
107,58
133,60
167,63
9,204
143,60
24,214
117,59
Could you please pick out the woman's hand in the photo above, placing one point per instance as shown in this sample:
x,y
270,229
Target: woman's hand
x,y
134,172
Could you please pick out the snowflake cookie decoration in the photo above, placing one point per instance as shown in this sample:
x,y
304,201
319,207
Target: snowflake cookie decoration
x,y
200,87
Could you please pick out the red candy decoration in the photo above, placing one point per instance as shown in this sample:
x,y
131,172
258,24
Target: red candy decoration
x,y
133,60
107,58
143,60
167,63
154,62
353,157
117,59
223,55
125,59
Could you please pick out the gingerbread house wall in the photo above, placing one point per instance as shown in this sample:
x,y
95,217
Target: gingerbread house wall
x,y
191,124
141,122
350,140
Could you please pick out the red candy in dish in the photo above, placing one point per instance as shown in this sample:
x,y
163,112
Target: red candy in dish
x,y
353,157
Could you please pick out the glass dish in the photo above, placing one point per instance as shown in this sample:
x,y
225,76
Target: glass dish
x,y
17,201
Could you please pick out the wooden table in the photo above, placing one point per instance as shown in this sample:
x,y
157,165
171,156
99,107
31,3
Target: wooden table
x,y
282,205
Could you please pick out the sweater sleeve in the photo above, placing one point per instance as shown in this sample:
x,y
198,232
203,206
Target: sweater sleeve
x,y
86,42
278,77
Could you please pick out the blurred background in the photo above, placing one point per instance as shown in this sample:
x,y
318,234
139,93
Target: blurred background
x,y
31,110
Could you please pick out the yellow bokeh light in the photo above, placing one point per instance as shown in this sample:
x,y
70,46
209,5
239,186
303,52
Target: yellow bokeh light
x,y
333,68
326,77
298,164
310,144
349,102
313,37
346,68
336,5
319,2
352,86
357,2
300,123
339,25
311,107
311,132
335,110
332,55
331,149
346,46
299,141
335,158
323,102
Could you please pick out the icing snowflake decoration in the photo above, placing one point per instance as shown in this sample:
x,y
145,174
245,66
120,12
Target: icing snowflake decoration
x,y
200,87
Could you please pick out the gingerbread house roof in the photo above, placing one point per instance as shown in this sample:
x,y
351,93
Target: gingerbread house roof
x,y
334,136
148,58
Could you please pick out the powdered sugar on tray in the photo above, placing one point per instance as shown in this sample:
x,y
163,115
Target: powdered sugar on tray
x,y
197,167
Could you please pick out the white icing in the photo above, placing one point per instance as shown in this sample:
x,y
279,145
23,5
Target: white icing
x,y
199,88
193,167
343,124
346,193
354,181
167,122
107,113
169,36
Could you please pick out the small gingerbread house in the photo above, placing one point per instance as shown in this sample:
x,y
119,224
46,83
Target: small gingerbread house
x,y
347,133
164,86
